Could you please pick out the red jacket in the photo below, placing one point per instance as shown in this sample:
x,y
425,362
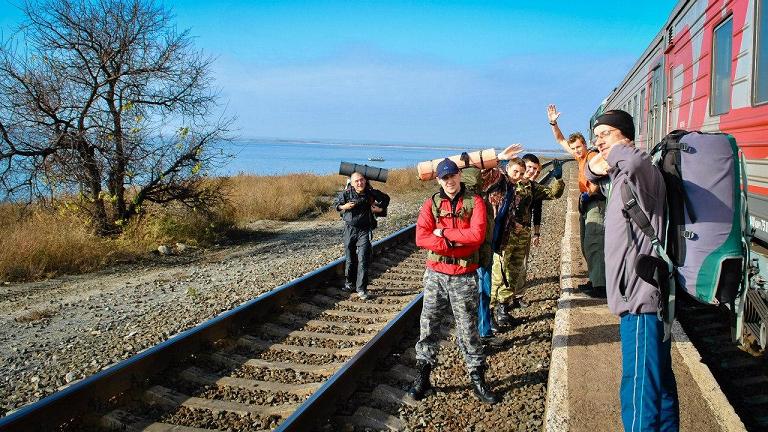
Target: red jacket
x,y
470,233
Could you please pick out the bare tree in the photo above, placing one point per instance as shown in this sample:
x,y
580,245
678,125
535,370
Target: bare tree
x,y
106,100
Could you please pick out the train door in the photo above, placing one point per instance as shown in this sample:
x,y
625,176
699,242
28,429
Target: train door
x,y
655,122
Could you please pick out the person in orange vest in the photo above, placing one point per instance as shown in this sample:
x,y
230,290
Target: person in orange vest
x,y
591,208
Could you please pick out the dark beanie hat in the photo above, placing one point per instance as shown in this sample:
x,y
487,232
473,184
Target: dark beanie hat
x,y
619,119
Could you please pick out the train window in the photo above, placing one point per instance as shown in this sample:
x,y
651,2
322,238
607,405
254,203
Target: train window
x,y
720,101
634,110
641,120
761,55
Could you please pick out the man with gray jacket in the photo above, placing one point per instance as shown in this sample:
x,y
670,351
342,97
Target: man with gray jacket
x,y
648,390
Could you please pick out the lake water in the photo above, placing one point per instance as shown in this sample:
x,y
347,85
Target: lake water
x,y
266,157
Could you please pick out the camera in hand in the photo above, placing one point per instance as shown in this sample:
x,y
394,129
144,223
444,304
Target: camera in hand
x,y
360,200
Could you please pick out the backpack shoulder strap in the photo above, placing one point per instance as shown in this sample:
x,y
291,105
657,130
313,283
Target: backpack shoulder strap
x,y
436,205
468,201
632,211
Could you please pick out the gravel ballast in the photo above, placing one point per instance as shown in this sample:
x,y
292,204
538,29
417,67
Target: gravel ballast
x,y
92,321
518,361
86,323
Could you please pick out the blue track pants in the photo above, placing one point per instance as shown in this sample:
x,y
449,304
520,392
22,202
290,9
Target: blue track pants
x,y
484,303
648,391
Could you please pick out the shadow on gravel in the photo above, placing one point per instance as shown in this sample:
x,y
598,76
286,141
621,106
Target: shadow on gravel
x,y
542,280
241,236
502,344
530,319
599,334
576,303
503,385
514,381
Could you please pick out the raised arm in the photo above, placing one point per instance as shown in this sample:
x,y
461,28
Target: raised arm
x,y
493,176
510,152
553,115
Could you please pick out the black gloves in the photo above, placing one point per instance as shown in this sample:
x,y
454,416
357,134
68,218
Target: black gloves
x,y
557,169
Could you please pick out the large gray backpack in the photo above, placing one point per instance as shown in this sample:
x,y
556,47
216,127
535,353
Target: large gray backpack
x,y
705,249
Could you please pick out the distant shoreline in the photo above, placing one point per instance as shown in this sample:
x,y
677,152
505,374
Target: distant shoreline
x,y
284,157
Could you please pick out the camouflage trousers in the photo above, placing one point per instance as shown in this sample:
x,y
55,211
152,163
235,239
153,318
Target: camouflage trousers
x,y
459,293
510,266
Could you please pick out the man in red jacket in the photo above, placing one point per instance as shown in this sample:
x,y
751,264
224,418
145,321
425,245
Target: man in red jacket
x,y
451,226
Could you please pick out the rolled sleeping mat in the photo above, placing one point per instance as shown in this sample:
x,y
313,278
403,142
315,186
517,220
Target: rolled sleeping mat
x,y
481,159
369,172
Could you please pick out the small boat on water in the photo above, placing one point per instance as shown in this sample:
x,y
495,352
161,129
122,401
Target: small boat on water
x,y
376,159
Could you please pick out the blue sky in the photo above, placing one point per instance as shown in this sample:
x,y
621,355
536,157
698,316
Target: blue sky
x,y
469,73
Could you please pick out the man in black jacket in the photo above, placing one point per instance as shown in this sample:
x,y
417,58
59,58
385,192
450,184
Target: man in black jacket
x,y
359,205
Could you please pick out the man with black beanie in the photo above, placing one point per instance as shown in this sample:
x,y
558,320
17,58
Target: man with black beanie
x,y
620,120
648,390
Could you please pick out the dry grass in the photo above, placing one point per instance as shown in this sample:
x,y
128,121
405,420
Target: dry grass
x,y
404,181
40,243
37,242
46,243
291,197
35,315
285,197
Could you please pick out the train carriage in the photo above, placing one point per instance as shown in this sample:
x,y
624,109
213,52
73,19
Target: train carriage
x,y
707,70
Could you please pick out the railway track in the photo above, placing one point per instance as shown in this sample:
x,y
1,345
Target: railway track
x,y
742,373
279,362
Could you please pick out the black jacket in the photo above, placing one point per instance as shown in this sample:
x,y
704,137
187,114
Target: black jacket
x,y
361,216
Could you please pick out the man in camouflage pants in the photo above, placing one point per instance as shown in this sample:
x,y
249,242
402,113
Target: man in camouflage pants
x,y
451,226
512,236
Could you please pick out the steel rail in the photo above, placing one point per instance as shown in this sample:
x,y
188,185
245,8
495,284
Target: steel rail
x,y
74,402
317,409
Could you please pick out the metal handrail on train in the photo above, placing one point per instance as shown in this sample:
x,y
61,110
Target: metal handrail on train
x,y
70,403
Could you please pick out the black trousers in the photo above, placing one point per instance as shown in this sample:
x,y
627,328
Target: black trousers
x,y
357,249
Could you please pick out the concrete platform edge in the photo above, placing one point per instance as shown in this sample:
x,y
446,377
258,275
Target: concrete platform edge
x,y
556,410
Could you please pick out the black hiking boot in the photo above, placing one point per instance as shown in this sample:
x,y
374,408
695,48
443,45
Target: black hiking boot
x,y
585,287
421,384
482,391
519,303
495,327
501,315
490,342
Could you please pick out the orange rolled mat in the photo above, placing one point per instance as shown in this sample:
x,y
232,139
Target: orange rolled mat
x,y
480,159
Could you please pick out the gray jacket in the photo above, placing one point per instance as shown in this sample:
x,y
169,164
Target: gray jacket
x,y
632,165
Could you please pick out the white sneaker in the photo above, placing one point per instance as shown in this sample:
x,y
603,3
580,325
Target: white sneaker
x,y
363,295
